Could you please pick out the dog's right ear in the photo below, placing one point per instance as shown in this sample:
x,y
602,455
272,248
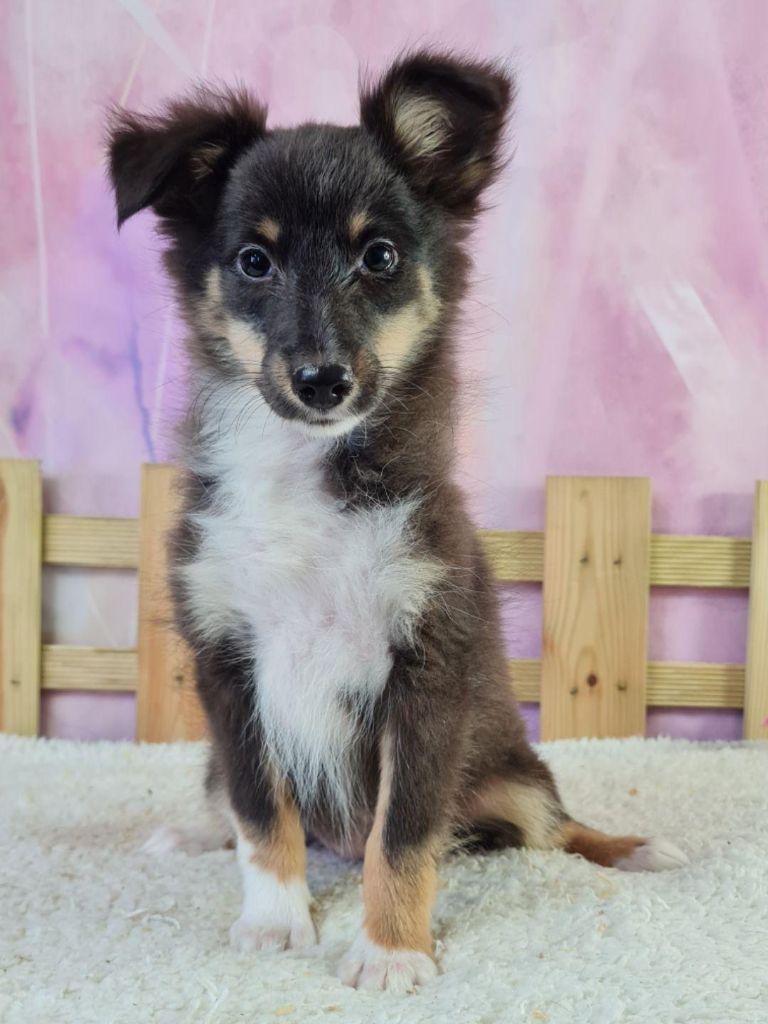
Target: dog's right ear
x,y
177,162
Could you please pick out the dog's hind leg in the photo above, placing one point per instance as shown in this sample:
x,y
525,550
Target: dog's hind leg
x,y
216,832
192,839
528,812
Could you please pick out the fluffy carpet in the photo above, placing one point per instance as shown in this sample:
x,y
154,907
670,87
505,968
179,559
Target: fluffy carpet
x,y
95,930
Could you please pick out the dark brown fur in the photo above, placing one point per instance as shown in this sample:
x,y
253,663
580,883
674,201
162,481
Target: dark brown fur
x,y
456,761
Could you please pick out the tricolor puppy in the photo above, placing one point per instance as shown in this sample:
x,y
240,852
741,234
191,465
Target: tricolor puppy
x,y
345,624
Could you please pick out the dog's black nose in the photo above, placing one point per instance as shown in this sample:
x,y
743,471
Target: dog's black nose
x,y
322,387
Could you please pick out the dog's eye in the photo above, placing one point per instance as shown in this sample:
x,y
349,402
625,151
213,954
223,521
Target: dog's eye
x,y
254,262
379,257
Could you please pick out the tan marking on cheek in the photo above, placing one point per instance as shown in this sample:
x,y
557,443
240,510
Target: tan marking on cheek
x,y
283,851
246,343
282,377
209,314
358,222
597,846
400,333
422,125
399,898
269,229
531,808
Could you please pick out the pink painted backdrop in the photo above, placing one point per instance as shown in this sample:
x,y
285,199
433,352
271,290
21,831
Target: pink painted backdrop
x,y
617,325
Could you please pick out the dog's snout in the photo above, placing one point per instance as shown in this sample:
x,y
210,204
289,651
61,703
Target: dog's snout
x,y
322,387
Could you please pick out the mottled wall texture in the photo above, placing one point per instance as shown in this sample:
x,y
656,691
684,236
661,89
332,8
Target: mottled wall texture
x,y
618,319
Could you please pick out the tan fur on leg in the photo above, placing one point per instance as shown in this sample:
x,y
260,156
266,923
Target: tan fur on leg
x,y
398,897
283,851
275,912
398,900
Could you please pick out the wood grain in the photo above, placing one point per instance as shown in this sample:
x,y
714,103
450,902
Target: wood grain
x,y
596,580
674,684
516,556
676,561
756,686
91,541
166,707
587,604
21,534
680,561
111,669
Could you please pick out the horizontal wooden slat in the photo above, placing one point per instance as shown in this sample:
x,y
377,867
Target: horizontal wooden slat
x,y
526,678
89,541
695,685
518,557
670,683
89,668
699,561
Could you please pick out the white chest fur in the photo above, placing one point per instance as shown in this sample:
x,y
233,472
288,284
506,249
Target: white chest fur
x,y
322,591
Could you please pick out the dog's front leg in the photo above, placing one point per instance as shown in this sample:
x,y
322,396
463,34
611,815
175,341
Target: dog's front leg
x,y
418,758
271,853
271,849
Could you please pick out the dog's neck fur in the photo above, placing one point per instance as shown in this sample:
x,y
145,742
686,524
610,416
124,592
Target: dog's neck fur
x,y
308,561
404,447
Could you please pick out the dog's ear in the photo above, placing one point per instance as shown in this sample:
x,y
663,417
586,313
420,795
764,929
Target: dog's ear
x,y
440,119
177,161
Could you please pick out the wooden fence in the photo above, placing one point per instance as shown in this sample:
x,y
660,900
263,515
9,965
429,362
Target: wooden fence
x,y
597,560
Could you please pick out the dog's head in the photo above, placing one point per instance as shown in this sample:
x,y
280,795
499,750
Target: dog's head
x,y
318,263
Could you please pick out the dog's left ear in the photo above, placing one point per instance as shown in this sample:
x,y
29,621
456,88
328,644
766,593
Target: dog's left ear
x,y
440,119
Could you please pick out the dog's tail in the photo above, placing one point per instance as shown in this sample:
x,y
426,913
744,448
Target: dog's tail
x,y
628,853
512,812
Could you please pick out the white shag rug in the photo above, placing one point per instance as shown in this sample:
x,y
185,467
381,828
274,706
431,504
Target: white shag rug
x,y
92,929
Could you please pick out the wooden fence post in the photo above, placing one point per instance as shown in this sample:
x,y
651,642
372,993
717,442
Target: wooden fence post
x,y
21,553
596,580
166,704
756,679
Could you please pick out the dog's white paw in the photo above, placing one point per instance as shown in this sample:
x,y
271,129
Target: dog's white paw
x,y
653,855
275,913
372,967
248,935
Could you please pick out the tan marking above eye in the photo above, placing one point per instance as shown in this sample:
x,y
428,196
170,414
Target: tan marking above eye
x,y
358,222
268,228
399,334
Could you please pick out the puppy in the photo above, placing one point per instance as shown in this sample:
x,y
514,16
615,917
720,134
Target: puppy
x,y
348,649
